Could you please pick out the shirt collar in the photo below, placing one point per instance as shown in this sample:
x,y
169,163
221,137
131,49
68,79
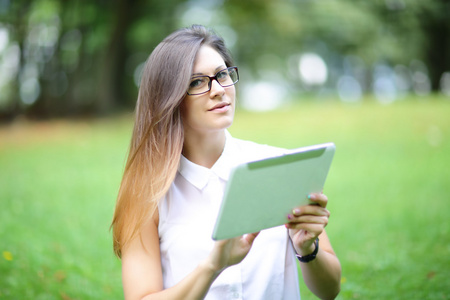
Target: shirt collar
x,y
199,176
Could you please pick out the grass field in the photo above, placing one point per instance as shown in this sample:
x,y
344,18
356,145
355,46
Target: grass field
x,y
389,191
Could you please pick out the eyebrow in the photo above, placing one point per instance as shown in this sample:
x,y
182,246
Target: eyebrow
x,y
219,68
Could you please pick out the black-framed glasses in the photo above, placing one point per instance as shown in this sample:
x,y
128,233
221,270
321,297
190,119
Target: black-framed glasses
x,y
202,84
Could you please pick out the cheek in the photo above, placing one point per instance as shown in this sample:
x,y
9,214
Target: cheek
x,y
185,112
232,94
188,111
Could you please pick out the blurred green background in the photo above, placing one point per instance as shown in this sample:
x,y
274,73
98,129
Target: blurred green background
x,y
371,76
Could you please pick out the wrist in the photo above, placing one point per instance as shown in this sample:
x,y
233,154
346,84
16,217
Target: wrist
x,y
311,255
210,268
306,248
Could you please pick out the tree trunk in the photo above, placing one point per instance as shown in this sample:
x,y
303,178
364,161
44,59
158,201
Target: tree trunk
x,y
437,28
110,87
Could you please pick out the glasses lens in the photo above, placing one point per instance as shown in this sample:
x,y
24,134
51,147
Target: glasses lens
x,y
198,85
227,77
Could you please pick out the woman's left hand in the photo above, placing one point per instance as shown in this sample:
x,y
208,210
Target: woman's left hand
x,y
307,222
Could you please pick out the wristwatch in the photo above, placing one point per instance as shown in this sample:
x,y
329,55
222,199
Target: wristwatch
x,y
309,257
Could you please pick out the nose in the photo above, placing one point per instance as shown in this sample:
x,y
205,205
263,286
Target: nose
x,y
216,89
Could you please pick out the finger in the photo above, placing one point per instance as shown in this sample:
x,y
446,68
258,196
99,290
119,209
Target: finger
x,y
319,199
315,229
308,219
308,210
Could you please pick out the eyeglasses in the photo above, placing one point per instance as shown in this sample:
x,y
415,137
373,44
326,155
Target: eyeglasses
x,y
202,84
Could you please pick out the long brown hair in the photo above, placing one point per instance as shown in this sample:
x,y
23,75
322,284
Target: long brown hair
x,y
158,135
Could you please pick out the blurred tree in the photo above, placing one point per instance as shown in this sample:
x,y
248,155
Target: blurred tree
x,y
389,31
436,24
14,18
112,62
76,57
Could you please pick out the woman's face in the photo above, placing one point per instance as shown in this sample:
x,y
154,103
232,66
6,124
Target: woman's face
x,y
214,110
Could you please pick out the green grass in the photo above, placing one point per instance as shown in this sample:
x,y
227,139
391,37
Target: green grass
x,y
389,189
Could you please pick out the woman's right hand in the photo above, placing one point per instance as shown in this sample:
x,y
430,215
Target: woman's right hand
x,y
230,252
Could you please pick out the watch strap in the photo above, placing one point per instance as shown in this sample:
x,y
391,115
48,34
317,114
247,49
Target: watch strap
x,y
309,257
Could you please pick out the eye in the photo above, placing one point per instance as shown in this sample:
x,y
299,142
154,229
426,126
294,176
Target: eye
x,y
222,74
197,82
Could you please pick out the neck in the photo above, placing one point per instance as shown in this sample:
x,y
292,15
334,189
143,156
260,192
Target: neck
x,y
204,149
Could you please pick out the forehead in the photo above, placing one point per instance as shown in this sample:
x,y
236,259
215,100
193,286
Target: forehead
x,y
207,60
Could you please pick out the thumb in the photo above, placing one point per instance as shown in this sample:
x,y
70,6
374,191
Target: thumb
x,y
250,237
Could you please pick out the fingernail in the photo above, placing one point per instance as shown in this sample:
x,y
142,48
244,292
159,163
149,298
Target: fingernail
x,y
289,216
296,211
310,196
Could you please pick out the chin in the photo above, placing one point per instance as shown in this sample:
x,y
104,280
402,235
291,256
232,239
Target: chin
x,y
227,123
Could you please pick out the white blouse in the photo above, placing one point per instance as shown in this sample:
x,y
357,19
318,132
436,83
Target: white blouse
x,y
187,216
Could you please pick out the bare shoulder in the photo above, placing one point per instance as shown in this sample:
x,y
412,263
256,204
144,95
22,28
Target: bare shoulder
x,y
141,263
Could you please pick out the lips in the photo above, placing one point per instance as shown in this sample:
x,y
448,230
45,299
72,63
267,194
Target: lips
x,y
220,106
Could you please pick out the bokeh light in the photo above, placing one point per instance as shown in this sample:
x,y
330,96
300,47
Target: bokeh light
x,y
313,70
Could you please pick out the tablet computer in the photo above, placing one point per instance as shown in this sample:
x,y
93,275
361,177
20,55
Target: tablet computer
x,y
260,194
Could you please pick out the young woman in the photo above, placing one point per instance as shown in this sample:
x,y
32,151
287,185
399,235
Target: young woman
x,y
179,161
